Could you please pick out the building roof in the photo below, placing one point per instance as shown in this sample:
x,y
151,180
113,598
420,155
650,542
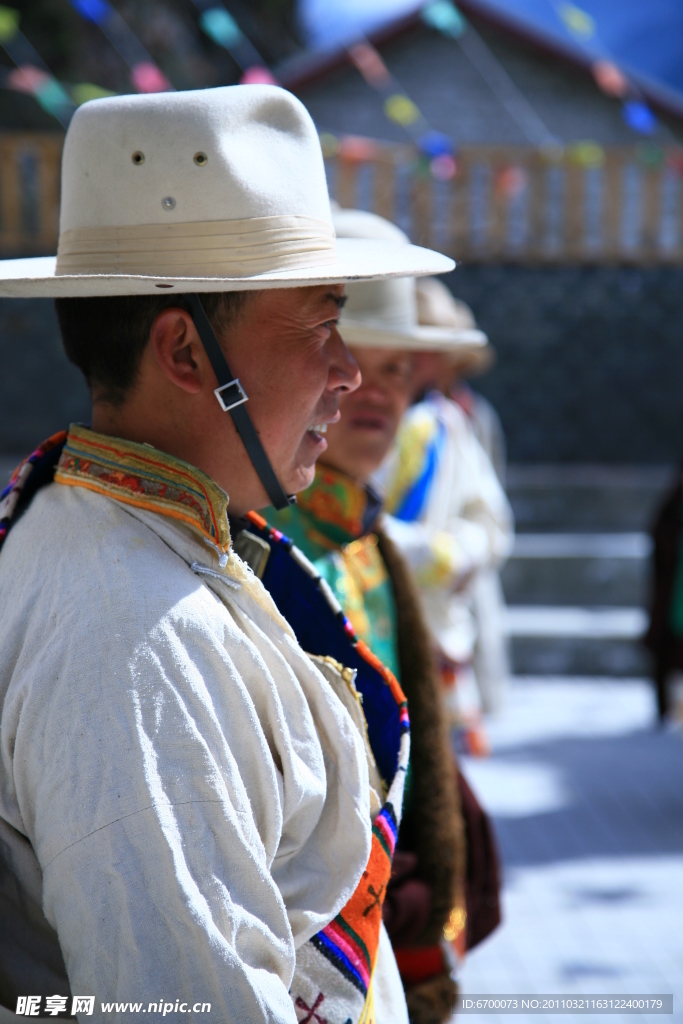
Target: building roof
x,y
644,40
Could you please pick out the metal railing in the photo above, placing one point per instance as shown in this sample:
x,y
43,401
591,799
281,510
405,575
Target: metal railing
x,y
511,204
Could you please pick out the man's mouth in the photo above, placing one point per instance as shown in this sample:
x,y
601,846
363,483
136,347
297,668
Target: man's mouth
x,y
369,421
318,428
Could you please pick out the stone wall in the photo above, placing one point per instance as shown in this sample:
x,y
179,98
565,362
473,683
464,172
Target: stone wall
x,y
590,360
40,392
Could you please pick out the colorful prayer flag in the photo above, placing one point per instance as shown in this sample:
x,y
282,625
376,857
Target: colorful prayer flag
x,y
639,117
610,79
577,21
445,18
370,64
9,24
401,109
96,11
258,75
86,91
147,78
221,27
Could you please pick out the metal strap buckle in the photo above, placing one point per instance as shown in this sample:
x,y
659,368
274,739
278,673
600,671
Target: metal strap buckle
x,y
230,395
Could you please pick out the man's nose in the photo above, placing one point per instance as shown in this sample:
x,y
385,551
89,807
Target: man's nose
x,y
344,374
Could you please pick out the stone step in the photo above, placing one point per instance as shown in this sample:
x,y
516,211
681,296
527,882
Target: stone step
x,y
572,656
579,569
584,498
577,641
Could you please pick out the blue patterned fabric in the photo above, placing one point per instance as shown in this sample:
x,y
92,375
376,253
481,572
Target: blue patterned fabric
x,y
298,595
415,498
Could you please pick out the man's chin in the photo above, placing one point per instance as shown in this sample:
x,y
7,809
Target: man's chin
x,y
299,479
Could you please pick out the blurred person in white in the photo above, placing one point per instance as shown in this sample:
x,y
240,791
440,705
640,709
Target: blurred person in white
x,y
435,303
452,519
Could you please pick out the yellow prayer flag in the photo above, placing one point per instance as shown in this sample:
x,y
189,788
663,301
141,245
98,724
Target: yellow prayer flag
x,y
401,109
577,20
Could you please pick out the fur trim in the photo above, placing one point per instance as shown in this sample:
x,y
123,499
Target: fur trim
x,y
435,818
432,1001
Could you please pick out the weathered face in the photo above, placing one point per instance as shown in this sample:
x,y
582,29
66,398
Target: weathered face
x,y
358,443
294,366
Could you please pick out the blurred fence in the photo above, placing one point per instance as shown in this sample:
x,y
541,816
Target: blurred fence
x,y
515,204
29,192
583,204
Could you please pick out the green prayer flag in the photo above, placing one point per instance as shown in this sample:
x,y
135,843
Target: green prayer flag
x,y
9,24
87,91
53,98
221,27
445,18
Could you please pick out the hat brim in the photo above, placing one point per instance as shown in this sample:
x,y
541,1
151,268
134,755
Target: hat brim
x,y
419,338
473,362
357,260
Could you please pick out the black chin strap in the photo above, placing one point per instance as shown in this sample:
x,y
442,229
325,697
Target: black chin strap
x,y
231,398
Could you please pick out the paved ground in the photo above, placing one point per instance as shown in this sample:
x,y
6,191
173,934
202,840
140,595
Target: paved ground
x,y
587,797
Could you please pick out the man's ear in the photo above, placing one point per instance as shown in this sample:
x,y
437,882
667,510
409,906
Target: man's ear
x,y
176,346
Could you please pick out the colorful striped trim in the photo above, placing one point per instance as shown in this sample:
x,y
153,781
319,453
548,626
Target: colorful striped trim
x,y
139,475
350,942
390,679
10,495
350,947
386,829
333,953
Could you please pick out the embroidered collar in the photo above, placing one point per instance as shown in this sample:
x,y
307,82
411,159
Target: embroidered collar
x,y
337,508
139,475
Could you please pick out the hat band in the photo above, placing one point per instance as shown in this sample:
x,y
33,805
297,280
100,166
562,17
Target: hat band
x,y
217,248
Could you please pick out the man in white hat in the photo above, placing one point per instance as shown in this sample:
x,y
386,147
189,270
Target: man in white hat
x,y
437,306
451,515
184,798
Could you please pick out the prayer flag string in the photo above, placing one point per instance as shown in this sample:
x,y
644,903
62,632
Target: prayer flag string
x,y
444,17
145,75
436,150
31,74
582,27
220,26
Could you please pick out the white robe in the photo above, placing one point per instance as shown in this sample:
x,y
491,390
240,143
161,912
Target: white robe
x,y
195,795
465,527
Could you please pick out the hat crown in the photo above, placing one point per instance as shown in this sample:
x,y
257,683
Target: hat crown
x,y
231,153
212,190
390,303
437,307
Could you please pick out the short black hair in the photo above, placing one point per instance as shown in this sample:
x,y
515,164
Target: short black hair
x,y
106,336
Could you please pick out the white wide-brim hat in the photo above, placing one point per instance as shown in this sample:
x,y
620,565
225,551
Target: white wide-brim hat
x,y
384,313
203,191
436,306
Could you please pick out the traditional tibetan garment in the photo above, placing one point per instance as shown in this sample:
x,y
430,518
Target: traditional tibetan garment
x,y
337,965
336,523
453,523
332,524
183,793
